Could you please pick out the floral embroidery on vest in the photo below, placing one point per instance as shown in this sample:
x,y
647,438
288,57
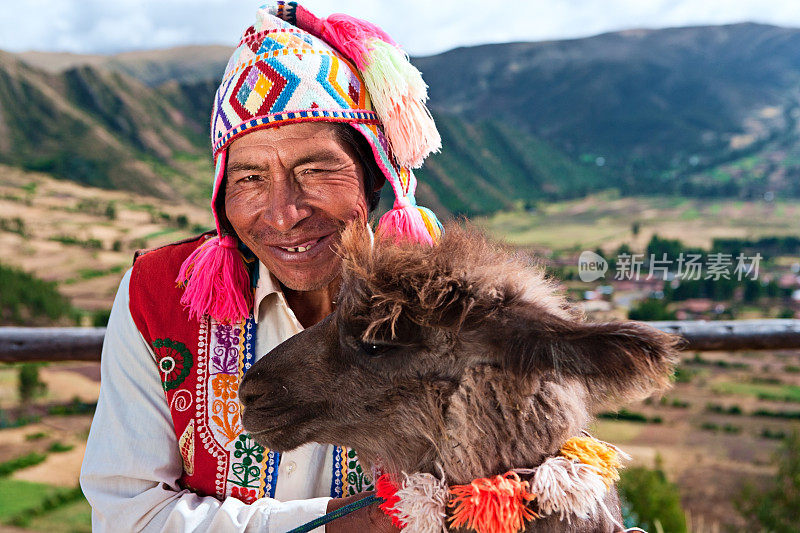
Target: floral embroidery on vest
x,y
251,470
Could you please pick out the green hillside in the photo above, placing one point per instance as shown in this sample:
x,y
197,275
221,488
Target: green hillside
x,y
99,128
645,100
487,166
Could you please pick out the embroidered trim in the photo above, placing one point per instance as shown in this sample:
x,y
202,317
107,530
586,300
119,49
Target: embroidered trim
x,y
251,471
201,413
324,115
348,477
355,479
336,475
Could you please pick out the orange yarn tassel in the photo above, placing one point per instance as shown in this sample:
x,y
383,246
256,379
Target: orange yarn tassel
x,y
591,451
492,505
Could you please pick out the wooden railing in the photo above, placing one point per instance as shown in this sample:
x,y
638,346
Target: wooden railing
x,y
734,335
85,344
50,344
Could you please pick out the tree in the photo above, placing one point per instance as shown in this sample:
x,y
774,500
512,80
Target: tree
x,y
650,500
658,247
29,385
651,309
775,509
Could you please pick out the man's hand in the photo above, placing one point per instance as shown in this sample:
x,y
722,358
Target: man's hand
x,y
368,519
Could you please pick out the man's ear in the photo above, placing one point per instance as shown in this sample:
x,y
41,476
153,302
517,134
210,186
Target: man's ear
x,y
618,361
380,181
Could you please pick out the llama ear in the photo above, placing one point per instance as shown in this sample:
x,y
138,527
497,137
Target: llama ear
x,y
616,360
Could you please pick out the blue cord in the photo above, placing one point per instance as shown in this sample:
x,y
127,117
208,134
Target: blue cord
x,y
338,513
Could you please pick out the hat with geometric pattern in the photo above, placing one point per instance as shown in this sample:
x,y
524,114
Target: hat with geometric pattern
x,y
291,66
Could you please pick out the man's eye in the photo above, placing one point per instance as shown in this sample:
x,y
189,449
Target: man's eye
x,y
374,349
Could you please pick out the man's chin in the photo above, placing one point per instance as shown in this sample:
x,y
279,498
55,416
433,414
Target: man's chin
x,y
306,284
308,277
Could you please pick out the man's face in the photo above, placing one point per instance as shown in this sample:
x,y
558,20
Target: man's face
x,y
288,193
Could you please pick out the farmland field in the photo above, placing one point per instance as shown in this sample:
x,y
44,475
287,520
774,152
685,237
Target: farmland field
x,y
606,221
715,430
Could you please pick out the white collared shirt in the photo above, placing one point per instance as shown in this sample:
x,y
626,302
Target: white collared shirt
x,y
132,462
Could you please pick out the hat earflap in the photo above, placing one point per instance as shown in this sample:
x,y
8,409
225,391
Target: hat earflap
x,y
215,275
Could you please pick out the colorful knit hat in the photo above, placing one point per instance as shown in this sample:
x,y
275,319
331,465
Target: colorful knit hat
x,y
291,66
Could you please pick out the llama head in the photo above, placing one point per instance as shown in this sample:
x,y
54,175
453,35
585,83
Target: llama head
x,y
461,354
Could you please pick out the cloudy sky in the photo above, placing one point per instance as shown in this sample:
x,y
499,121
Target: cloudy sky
x,y
421,26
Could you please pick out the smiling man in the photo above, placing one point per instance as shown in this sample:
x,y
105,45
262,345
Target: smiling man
x,y
289,192
312,117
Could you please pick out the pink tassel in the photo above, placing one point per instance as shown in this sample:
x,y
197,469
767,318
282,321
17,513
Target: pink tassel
x,y
347,34
405,222
216,281
352,36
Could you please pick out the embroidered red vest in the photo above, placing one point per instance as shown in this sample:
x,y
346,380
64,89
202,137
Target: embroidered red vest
x,y
201,364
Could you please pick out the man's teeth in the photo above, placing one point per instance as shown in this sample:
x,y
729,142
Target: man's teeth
x,y
298,249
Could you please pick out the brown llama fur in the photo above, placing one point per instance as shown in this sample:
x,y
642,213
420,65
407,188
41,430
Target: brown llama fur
x,y
460,356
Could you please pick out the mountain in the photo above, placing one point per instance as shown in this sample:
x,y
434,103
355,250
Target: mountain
x,y
487,166
151,67
646,101
100,128
699,111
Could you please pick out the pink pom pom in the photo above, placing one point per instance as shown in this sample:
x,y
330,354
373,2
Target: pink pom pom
x,y
217,282
405,222
352,36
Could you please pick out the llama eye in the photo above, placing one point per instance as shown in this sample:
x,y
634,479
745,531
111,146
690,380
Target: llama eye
x,y
373,349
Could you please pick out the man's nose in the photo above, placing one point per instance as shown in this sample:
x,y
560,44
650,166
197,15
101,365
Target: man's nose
x,y
287,205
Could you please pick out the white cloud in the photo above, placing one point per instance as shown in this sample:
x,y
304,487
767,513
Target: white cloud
x,y
422,26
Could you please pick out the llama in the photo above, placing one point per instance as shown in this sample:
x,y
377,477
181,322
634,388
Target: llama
x,y
459,360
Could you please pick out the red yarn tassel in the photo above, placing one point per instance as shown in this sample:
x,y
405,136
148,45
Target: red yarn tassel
x,y
384,488
216,282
